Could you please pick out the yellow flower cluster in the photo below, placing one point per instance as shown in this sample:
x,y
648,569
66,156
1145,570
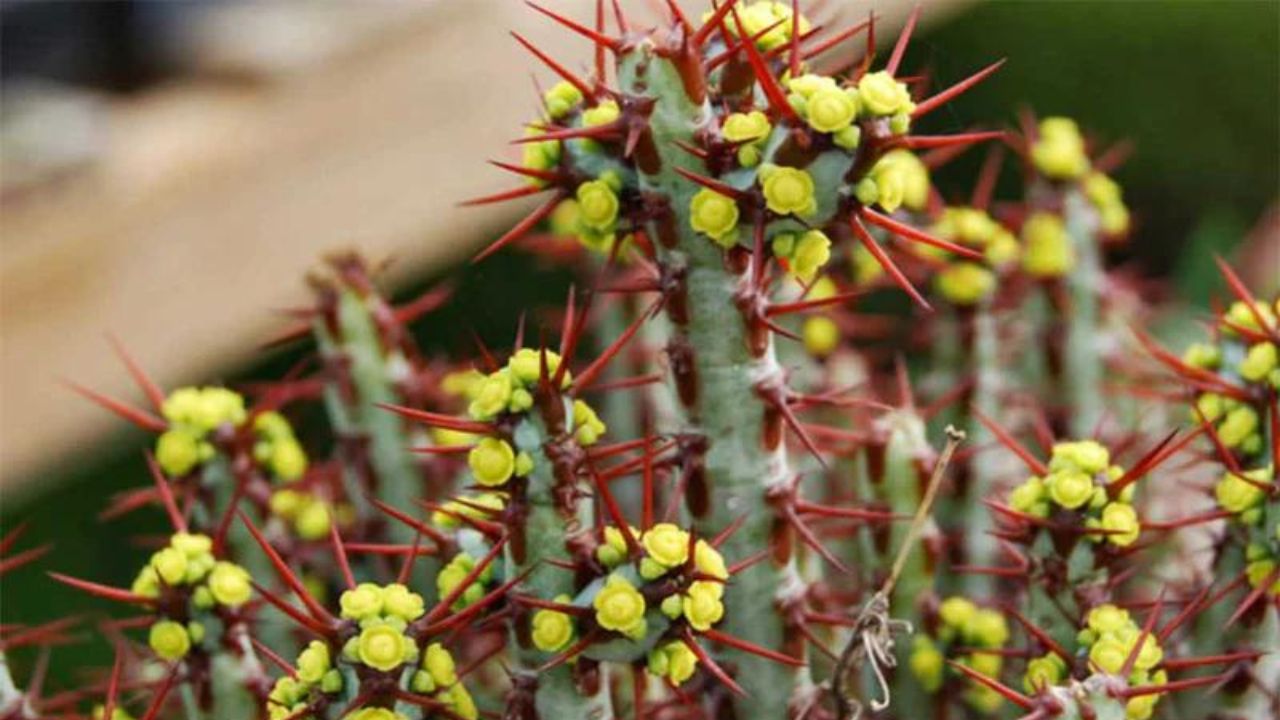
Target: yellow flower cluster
x,y
963,623
314,669
620,607
591,214
1058,152
714,215
827,107
1261,563
1110,635
749,130
552,630
1237,425
1047,250
788,190
452,575
804,253
193,413
540,155
1077,479
188,562
510,389
899,179
1107,199
310,515
673,661
965,282
1244,493
774,15
562,99
276,448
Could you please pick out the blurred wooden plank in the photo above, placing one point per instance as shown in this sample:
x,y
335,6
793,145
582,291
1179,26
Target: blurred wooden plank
x,y
212,201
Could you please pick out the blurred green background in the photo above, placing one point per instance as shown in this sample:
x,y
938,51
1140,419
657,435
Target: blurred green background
x,y
1194,85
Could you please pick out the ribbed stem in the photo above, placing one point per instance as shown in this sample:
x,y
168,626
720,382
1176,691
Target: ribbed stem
x,y
980,546
1082,356
547,525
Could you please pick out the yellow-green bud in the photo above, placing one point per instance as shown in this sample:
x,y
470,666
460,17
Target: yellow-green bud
x,y
562,98
1122,520
597,204
715,216
1048,252
602,114
811,253
881,94
1069,488
492,461
314,662
1258,362
702,606
1043,672
620,607
440,665
831,110
746,127
169,640
361,602
788,190
229,584
384,647
171,565
666,544
399,601
926,663
177,451
551,630
965,283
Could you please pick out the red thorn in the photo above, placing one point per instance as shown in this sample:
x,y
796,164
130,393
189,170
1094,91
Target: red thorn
x,y
1173,686
141,418
582,85
1257,593
285,666
713,184
113,685
713,22
306,621
1242,294
1005,691
864,236
282,569
13,562
439,420
602,41
422,527
615,514
443,606
739,644
929,105
1007,439
406,565
149,388
521,227
900,47
176,519
103,591
505,195
793,61
340,552
710,663
587,376
987,176
768,83
925,142
678,15
909,233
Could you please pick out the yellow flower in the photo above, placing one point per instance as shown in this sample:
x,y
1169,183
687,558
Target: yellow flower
x,y
440,665
383,647
614,548
1240,424
1202,355
1042,672
1122,520
987,628
399,601
1109,654
1258,362
1108,618
821,335
602,114
1059,153
709,561
746,127
1027,496
715,216
1070,488
169,640
491,396
830,110
965,283
361,602
674,661
492,461
171,565
620,607
1237,494
552,629
1087,456
1258,571
177,451
880,94
562,98
587,425
460,701
926,663
313,520
375,713
891,185
811,253
597,204
288,460
314,662
702,606
1048,252
956,611
229,584
913,175
666,544
788,190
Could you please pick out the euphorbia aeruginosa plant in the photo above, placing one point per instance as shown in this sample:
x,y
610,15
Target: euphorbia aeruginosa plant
x,y
713,482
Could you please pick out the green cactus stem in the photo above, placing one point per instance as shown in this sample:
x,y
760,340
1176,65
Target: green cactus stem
x,y
1082,355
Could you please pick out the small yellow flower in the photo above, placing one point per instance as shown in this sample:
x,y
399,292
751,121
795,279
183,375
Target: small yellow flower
x,y
891,185
1087,456
171,565
177,451
288,460
746,127
440,665
1048,252
926,663
491,396
1070,488
788,190
525,365
314,662
914,176
821,335
1122,520
399,601
1059,153
1258,571
383,647
362,602
1042,672
1108,618
702,606
602,114
811,253
492,461
709,561
169,640
552,629
374,713
674,661
1109,654
880,94
229,584
1240,424
666,544
715,216
831,110
561,99
597,204
620,607
1259,361
965,283
587,425
987,628
1028,495
313,520
957,611
1237,494
1203,356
